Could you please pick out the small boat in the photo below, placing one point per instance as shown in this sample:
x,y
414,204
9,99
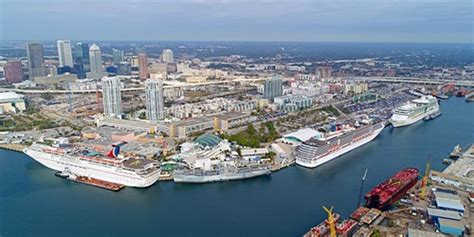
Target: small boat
x,y
432,116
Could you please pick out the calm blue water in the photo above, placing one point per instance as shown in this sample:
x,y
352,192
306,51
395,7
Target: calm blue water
x,y
33,202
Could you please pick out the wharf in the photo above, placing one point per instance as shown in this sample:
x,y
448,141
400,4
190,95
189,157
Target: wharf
x,y
278,167
13,147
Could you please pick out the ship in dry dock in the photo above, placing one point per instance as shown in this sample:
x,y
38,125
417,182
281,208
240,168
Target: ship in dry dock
x,y
392,189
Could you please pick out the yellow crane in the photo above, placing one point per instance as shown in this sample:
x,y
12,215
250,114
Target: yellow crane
x,y
331,221
425,180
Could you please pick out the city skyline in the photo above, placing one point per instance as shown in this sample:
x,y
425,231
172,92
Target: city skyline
x,y
212,20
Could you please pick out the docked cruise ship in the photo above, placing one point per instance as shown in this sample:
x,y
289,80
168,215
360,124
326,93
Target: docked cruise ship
x,y
132,172
414,111
318,151
222,172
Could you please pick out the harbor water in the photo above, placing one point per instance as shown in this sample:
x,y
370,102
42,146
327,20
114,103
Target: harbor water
x,y
34,202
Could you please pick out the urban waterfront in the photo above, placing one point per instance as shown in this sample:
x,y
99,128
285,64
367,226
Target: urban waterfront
x,y
287,203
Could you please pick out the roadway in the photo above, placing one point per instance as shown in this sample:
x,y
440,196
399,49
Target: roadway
x,y
408,80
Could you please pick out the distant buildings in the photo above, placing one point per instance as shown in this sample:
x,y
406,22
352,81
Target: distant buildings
x,y
35,57
13,71
95,57
112,97
142,66
354,88
65,53
155,109
82,60
124,69
167,56
293,103
273,88
11,102
117,55
324,72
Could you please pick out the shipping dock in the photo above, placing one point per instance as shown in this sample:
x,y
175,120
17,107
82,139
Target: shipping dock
x,y
439,204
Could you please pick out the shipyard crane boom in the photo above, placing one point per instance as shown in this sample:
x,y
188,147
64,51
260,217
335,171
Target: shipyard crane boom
x,y
331,221
361,188
425,179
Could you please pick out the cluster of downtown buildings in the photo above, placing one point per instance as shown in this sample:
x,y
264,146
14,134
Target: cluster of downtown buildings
x,y
83,60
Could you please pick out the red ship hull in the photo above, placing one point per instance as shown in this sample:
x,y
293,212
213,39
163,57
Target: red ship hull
x,y
392,189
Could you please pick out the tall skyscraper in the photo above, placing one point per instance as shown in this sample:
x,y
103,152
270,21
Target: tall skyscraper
x,y
142,66
82,59
34,53
13,71
117,56
95,57
112,97
273,88
155,108
167,56
124,69
65,53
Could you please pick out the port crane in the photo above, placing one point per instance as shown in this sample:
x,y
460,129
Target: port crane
x,y
331,221
361,188
425,179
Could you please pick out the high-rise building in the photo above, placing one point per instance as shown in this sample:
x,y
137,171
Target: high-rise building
x,y
273,88
167,56
155,109
112,97
324,72
13,71
142,66
118,56
82,59
65,53
35,56
124,69
95,57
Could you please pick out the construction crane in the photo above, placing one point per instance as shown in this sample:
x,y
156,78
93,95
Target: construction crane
x,y
331,221
425,179
69,97
361,188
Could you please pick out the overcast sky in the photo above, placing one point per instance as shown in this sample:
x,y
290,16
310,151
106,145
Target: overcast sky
x,y
251,20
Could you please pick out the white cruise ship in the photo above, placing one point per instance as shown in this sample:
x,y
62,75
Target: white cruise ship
x,y
414,111
317,151
131,172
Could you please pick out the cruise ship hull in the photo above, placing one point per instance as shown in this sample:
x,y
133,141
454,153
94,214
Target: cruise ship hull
x,y
317,162
409,121
82,168
190,178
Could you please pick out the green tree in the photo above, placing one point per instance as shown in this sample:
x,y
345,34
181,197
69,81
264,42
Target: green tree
x,y
251,130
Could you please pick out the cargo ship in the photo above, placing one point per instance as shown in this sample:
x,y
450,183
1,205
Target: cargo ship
x,y
318,151
75,161
392,189
206,172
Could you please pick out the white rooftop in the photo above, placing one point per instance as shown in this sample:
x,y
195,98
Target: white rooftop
x,y
8,96
303,134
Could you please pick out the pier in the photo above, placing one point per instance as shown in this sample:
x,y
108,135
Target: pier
x,y
13,147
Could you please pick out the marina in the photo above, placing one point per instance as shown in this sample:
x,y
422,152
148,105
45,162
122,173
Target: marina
x,y
392,151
